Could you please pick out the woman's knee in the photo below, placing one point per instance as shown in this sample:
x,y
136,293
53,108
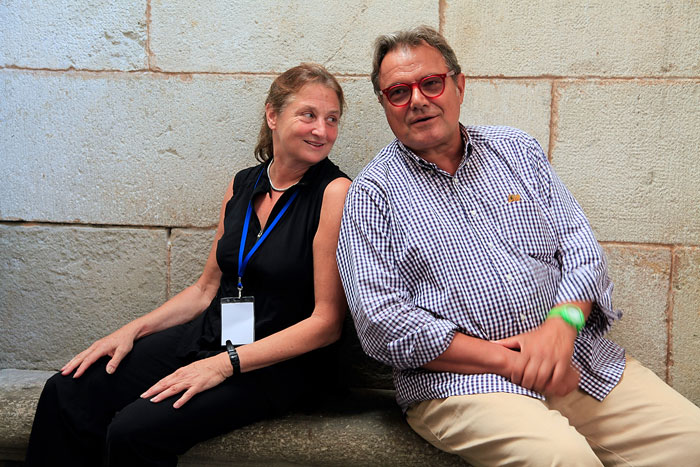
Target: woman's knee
x,y
140,433
127,443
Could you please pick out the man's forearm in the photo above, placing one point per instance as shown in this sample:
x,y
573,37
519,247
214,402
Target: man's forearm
x,y
470,355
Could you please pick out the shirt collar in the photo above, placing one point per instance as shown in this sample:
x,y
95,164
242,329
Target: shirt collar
x,y
410,155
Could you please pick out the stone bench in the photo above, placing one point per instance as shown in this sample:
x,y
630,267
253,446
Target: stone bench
x,y
359,426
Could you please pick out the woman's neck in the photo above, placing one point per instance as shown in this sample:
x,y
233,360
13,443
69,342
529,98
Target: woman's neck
x,y
284,175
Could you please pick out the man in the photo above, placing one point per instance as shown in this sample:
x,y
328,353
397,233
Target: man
x,y
471,269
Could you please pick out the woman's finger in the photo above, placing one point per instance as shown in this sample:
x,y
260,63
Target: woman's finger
x,y
119,354
87,361
185,397
168,392
74,362
160,386
169,381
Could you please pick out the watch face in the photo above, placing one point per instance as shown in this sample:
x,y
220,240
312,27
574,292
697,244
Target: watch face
x,y
575,314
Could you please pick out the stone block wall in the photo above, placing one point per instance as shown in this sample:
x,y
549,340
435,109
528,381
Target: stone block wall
x,y
121,124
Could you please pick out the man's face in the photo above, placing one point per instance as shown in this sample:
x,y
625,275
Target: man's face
x,y
426,126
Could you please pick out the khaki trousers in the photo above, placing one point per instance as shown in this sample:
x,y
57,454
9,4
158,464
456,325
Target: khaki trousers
x,y
642,421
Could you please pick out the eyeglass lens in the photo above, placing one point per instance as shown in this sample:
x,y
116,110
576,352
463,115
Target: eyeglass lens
x,y
430,86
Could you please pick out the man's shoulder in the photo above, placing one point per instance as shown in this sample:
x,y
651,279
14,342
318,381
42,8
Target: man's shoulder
x,y
381,164
508,143
488,133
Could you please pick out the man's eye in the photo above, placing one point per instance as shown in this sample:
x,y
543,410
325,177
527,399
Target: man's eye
x,y
397,92
432,83
307,116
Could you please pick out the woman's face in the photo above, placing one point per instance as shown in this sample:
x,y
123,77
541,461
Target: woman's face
x,y
306,128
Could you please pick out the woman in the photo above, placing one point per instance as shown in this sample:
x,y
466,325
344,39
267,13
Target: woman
x,y
166,373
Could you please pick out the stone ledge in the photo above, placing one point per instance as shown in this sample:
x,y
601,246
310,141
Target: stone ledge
x,y
360,427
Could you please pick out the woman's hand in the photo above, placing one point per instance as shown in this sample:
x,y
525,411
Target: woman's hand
x,y
193,378
115,345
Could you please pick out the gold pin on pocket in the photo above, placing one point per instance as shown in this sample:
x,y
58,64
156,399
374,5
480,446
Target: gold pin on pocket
x,y
513,198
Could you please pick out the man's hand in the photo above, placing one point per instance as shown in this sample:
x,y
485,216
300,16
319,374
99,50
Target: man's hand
x,y
543,363
194,378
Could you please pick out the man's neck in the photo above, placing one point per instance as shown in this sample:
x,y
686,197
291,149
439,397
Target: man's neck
x,y
447,157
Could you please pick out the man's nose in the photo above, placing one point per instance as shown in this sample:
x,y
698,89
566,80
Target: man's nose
x,y
417,97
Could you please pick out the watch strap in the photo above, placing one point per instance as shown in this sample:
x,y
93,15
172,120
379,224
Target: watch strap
x,y
233,356
571,314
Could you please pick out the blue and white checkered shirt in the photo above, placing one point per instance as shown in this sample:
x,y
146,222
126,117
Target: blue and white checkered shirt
x,y
486,252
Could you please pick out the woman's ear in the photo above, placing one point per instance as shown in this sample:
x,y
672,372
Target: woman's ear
x,y
271,116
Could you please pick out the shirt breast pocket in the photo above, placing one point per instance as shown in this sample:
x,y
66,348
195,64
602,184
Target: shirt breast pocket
x,y
524,226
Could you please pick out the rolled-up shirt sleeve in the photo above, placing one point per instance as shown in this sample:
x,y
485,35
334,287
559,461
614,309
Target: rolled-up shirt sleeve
x,y
391,328
583,264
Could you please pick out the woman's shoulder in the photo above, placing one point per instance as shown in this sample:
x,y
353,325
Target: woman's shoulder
x,y
328,171
246,176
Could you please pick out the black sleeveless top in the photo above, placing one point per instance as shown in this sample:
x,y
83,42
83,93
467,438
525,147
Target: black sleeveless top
x,y
280,274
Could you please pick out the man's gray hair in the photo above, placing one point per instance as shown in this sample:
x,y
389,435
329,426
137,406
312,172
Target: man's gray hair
x,y
411,38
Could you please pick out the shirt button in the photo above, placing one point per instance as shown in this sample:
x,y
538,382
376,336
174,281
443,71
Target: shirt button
x,y
523,316
473,213
490,244
509,277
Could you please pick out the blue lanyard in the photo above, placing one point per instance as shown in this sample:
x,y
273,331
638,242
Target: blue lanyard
x,y
243,262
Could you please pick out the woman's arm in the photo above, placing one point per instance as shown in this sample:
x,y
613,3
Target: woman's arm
x,y
181,308
324,325
322,328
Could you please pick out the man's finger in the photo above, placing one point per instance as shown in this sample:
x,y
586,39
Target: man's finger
x,y
509,342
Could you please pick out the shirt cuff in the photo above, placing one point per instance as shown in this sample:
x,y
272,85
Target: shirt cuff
x,y
422,346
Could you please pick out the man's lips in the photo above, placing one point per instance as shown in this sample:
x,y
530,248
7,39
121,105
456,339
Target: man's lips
x,y
421,120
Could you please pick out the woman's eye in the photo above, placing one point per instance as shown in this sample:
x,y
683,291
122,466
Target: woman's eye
x,y
332,119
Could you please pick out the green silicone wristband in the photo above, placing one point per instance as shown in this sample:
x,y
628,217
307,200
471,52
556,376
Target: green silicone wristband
x,y
571,314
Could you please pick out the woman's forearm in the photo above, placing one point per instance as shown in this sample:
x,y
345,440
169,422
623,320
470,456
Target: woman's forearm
x,y
309,334
182,308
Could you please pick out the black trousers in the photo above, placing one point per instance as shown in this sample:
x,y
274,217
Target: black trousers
x,y
100,418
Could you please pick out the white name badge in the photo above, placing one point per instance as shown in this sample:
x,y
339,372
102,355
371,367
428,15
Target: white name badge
x,y
237,320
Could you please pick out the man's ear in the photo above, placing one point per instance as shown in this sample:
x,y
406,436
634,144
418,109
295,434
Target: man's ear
x,y
271,116
380,100
460,82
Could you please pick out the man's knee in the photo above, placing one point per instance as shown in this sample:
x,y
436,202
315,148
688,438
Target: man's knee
x,y
566,448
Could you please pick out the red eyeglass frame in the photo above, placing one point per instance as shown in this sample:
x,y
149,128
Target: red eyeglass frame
x,y
442,76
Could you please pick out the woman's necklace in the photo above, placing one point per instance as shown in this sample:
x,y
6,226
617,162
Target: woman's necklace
x,y
274,188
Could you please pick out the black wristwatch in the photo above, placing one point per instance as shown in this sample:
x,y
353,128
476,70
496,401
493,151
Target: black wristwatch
x,y
233,355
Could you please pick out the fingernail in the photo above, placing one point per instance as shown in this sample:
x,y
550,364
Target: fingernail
x,y
110,370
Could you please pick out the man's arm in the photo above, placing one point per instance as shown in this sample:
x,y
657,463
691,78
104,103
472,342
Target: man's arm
x,y
544,363
391,329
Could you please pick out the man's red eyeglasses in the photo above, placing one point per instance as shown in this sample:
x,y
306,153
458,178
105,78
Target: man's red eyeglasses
x,y
431,86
